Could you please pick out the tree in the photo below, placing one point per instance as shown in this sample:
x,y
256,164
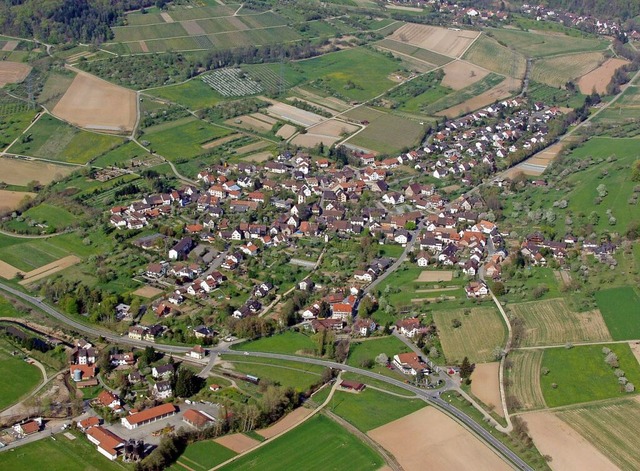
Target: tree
x,y
149,356
382,359
466,368
187,383
635,172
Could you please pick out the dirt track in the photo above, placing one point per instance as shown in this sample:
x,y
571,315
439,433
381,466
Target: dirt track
x,y
287,422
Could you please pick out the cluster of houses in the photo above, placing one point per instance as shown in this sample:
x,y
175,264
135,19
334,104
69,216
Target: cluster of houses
x,y
590,23
537,249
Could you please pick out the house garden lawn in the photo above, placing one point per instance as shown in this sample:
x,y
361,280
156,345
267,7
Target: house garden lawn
x,y
371,348
203,456
194,94
288,342
370,408
318,444
59,455
582,375
18,376
620,308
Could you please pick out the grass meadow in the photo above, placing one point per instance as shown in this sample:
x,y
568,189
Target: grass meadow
x,y
488,53
203,455
288,342
194,94
18,376
620,308
389,134
299,376
534,44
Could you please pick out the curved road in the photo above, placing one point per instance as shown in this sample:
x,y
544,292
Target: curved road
x,y
432,397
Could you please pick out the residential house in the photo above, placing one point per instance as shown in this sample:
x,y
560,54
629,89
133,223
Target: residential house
x,y
162,390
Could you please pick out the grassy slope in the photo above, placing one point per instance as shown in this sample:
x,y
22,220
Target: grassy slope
x,y
620,308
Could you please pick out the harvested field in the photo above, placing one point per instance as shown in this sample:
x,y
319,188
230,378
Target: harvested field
x,y
148,292
49,269
556,71
166,17
441,40
220,141
443,444
460,74
599,78
524,377
10,200
237,442
249,122
288,421
567,448
252,147
333,127
480,332
612,429
8,271
10,46
265,118
503,90
551,322
295,115
96,104
431,275
20,172
259,157
286,131
485,385
13,72
312,140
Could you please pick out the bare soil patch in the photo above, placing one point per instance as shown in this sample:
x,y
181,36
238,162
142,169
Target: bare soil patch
x,y
252,147
259,157
265,118
567,448
8,271
485,385
193,28
249,122
10,200
442,444
96,104
284,424
499,92
286,131
220,141
461,74
13,72
148,292
448,42
166,17
293,114
237,442
10,46
546,156
143,46
432,275
20,172
49,269
312,140
599,78
333,127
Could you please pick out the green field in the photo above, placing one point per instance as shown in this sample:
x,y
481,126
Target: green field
x,y
464,94
184,140
53,139
194,94
318,444
52,216
299,376
389,134
370,408
202,456
59,455
540,44
7,309
121,155
12,123
370,349
620,308
289,342
582,375
18,376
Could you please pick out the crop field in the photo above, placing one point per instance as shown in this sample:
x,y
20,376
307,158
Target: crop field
x,y
620,308
53,139
448,42
460,74
18,376
389,134
13,72
581,374
540,44
144,32
201,456
551,322
311,446
371,408
194,94
611,428
556,71
488,53
21,172
599,78
524,379
184,140
274,78
464,94
482,330
293,114
54,88
482,93
485,385
288,342
327,132
10,200
59,455
404,49
230,82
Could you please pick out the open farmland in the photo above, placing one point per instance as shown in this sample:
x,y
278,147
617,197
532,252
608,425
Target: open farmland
x,y
185,139
21,172
488,53
482,330
551,322
96,104
288,342
203,455
10,200
485,385
405,51
568,450
443,444
599,78
556,71
540,44
194,94
448,42
29,254
232,82
524,379
290,420
327,132
388,134
460,74
478,95
611,428
294,115
620,309
311,446
13,72
581,374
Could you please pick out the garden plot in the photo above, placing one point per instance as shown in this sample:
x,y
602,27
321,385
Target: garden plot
x,y
449,42
220,141
253,147
238,442
250,123
286,131
429,276
232,82
13,72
